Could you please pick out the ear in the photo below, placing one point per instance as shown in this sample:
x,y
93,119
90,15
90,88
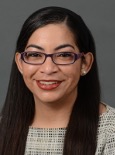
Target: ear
x,y
18,62
86,63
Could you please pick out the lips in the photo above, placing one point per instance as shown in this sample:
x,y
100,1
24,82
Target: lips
x,y
48,84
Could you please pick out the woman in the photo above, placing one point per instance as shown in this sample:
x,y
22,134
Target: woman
x,y
53,101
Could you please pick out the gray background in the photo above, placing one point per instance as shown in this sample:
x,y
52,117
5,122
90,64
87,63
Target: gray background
x,y
100,18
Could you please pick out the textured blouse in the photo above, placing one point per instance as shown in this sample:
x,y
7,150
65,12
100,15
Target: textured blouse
x,y
49,141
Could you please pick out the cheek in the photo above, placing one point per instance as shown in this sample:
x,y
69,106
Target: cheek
x,y
29,70
28,74
29,81
74,72
75,78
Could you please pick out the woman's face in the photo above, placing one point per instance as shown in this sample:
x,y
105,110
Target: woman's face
x,y
51,83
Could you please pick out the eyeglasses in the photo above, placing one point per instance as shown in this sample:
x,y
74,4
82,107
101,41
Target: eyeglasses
x,y
60,58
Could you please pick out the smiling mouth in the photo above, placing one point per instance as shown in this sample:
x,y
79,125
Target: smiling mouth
x,y
48,84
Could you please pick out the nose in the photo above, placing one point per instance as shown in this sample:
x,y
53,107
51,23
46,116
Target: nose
x,y
48,67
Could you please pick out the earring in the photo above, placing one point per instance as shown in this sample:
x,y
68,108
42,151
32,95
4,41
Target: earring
x,y
84,72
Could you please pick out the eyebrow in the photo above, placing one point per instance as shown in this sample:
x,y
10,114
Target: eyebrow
x,y
64,46
35,46
57,48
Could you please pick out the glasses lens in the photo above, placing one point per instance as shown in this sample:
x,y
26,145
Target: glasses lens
x,y
34,57
64,58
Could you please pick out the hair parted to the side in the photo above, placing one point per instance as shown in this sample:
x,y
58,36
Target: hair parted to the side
x,y
18,110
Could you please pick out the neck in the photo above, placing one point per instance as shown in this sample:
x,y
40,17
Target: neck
x,y
53,115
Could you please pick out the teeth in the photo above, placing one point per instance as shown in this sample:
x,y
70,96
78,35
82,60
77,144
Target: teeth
x,y
47,83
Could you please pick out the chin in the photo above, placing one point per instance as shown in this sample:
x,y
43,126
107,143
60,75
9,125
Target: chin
x,y
49,98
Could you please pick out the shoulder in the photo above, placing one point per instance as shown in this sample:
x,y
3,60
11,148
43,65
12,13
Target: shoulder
x,y
107,120
108,115
106,132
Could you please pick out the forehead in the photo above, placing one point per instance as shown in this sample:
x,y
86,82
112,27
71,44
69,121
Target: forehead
x,y
52,34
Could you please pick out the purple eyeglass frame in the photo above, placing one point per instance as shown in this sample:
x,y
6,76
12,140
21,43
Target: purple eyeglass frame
x,y
77,56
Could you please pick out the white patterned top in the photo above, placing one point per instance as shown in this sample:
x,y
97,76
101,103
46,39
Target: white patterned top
x,y
49,141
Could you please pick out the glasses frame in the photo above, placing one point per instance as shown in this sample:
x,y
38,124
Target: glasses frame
x,y
76,57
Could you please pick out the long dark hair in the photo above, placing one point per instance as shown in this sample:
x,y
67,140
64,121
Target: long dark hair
x,y
18,110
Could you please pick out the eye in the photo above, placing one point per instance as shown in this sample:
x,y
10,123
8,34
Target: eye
x,y
65,55
33,54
